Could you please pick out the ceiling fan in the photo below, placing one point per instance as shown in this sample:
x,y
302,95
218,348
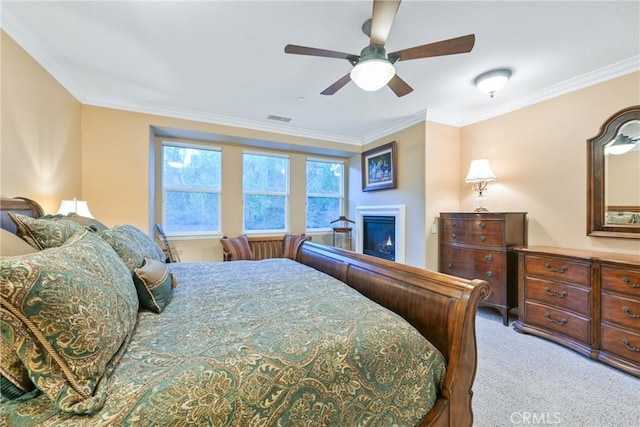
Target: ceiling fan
x,y
373,68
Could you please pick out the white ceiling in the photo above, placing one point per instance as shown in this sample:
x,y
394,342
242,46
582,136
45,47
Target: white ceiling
x,y
224,61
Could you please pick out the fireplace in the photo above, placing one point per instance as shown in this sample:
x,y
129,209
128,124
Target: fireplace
x,y
394,236
379,236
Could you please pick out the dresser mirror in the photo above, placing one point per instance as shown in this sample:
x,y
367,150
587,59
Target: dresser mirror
x,y
613,177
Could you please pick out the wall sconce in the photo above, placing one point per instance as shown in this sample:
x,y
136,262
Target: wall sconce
x,y
79,207
479,175
492,81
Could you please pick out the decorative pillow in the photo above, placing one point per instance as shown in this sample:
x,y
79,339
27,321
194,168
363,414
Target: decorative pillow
x,y
12,245
92,223
72,310
43,233
132,245
237,248
154,283
290,244
84,221
14,377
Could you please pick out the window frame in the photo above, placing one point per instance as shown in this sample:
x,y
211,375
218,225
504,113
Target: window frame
x,y
163,191
287,194
307,194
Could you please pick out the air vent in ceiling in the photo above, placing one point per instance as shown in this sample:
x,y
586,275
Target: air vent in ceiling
x,y
279,118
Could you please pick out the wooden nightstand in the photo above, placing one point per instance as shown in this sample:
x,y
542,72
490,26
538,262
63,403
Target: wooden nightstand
x,y
480,246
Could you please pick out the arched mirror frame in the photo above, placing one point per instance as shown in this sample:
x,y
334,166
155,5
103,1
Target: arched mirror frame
x,y
596,219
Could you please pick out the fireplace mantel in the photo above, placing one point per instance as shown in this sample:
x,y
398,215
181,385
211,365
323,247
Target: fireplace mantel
x,y
397,211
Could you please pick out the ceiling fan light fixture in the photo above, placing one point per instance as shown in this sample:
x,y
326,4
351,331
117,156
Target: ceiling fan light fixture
x,y
492,81
373,74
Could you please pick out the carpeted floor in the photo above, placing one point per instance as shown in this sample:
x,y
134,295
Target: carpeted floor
x,y
523,380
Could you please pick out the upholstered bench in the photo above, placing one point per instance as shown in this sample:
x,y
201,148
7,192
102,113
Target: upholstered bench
x,y
262,247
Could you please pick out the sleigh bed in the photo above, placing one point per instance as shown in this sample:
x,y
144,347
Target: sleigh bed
x,y
273,342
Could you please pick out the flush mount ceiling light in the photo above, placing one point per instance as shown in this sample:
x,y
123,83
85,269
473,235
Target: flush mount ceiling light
x,y
620,144
492,81
373,71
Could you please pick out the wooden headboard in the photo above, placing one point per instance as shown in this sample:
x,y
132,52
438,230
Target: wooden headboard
x,y
20,205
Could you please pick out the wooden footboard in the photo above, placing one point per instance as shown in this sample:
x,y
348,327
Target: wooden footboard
x,y
441,307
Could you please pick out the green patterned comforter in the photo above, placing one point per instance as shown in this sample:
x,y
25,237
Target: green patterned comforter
x,y
262,343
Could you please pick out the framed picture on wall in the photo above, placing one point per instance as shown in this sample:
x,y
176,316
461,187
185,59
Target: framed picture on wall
x,y
379,168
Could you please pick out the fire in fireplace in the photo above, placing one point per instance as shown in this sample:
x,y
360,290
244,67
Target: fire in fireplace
x,y
379,236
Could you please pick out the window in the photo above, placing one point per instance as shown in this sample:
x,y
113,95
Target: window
x,y
191,182
325,192
265,185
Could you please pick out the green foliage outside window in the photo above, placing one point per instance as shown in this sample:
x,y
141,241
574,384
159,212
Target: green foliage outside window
x,y
191,187
265,183
325,183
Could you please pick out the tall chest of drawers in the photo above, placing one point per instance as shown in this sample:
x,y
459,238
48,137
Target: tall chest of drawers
x,y
587,301
481,246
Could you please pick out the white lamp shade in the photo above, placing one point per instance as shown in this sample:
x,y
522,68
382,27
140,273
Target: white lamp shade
x,y
480,170
373,74
79,207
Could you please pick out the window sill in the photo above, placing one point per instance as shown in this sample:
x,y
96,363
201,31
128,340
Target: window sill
x,y
203,236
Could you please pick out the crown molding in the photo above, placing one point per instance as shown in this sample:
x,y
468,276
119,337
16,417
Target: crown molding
x,y
34,47
398,125
599,75
218,119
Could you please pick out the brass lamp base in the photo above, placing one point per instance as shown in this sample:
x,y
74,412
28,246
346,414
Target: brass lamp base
x,y
481,209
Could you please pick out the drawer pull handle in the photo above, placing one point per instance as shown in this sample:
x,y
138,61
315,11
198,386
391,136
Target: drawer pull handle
x,y
449,266
453,225
555,294
626,280
626,343
453,235
488,258
483,238
552,320
556,270
482,225
489,274
633,316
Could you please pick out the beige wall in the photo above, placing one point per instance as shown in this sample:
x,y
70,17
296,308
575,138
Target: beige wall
x,y
40,148
53,148
410,151
117,173
538,154
442,175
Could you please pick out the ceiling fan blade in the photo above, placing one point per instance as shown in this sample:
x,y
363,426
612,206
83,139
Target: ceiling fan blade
x,y
384,12
445,47
312,51
337,85
399,86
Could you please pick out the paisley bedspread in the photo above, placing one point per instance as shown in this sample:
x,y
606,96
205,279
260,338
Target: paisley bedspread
x,y
261,343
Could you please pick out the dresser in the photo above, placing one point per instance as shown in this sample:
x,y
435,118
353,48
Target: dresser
x,y
481,246
587,301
